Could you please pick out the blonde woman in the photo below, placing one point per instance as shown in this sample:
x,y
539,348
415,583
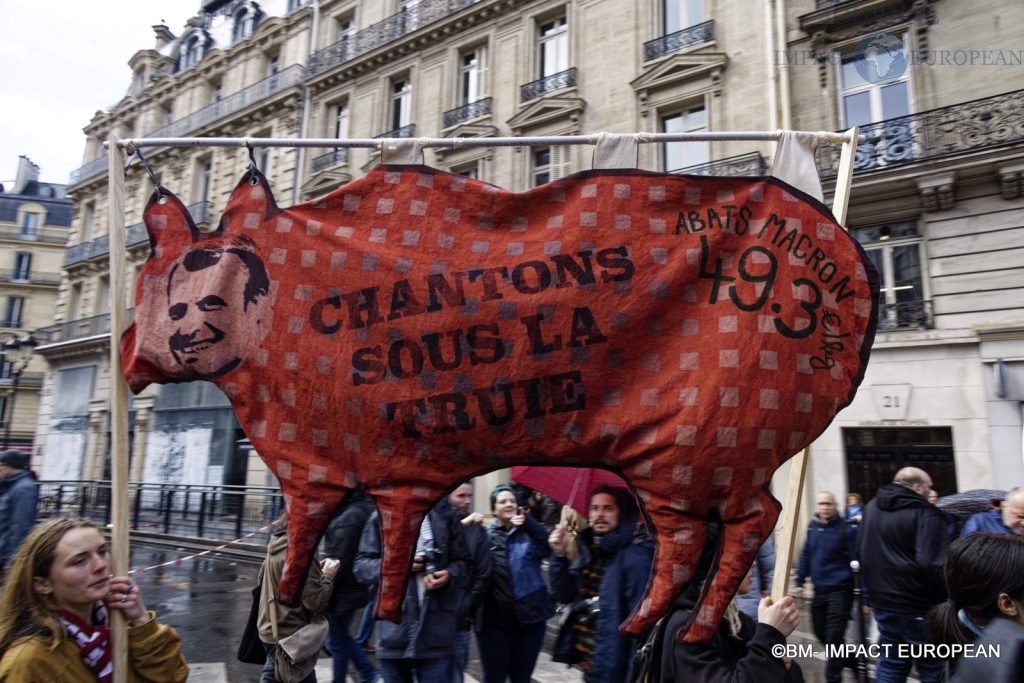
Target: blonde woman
x,y
55,613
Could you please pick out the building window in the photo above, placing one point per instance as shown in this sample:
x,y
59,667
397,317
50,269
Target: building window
x,y
74,301
682,155
340,120
550,163
553,47
872,86
3,412
411,18
29,225
192,52
471,76
471,170
895,249
13,313
102,295
216,92
22,265
245,21
204,177
680,14
88,220
401,104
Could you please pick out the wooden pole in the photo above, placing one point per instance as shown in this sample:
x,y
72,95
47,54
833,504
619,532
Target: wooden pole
x,y
119,556
798,465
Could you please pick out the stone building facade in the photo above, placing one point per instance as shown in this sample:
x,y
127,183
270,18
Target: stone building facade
x,y
35,218
936,196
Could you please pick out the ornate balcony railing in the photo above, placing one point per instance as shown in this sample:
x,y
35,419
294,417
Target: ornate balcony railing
x,y
135,234
32,277
75,329
383,32
957,129
25,380
749,164
55,235
906,315
232,104
333,158
403,132
92,169
453,117
543,86
691,35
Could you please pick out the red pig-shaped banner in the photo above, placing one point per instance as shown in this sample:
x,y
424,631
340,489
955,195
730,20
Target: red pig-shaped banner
x,y
416,328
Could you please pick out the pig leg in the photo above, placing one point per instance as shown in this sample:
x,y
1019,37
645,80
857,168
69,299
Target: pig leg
x,y
400,519
308,513
677,559
741,539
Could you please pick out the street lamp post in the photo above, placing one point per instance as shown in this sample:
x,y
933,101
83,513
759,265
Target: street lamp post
x,y
17,352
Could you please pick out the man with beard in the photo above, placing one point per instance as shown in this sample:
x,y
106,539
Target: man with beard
x,y
603,585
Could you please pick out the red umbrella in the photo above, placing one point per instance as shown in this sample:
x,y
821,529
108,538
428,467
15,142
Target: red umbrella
x,y
568,485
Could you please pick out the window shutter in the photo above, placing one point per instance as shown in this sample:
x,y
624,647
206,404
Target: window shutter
x,y
561,162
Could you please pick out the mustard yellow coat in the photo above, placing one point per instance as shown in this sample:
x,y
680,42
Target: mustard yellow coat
x,y
154,656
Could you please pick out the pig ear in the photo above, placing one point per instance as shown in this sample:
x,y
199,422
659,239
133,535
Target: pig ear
x,y
250,206
168,223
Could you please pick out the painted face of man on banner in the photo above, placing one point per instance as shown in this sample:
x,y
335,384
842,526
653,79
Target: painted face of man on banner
x,y
218,307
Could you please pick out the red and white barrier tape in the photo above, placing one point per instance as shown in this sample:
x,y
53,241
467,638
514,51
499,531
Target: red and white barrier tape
x,y
179,560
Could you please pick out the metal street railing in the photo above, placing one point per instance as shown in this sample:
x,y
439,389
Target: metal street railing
x,y
191,511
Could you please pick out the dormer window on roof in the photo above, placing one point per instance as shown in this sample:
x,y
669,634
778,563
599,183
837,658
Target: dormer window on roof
x,y
245,18
193,48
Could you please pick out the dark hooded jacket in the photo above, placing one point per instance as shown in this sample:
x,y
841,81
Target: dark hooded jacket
x,y
341,541
742,658
19,500
627,572
427,629
902,547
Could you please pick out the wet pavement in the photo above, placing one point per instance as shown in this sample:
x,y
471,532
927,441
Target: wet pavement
x,y
207,600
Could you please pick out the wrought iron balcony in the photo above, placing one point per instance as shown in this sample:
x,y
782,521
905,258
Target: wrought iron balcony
x,y
548,84
211,113
74,330
749,164
957,129
383,32
403,132
692,35
31,277
453,117
906,315
135,234
333,158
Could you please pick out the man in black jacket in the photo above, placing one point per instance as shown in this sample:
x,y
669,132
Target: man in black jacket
x,y
341,541
477,577
902,548
421,646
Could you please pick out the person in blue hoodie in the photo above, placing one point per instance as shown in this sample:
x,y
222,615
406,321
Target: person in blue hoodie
x,y
1006,518
603,585
19,503
825,559
518,605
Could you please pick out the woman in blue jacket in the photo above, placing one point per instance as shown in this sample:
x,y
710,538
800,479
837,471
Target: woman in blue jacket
x,y
517,607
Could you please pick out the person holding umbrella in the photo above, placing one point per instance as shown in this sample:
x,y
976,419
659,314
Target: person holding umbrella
x,y
603,585
1005,518
518,605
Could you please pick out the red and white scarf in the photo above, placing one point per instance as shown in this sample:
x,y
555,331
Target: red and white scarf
x,y
93,641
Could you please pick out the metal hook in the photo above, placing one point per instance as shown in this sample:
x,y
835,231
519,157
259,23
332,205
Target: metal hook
x,y
254,168
149,171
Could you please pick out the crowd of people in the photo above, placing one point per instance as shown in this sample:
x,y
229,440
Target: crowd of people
x,y
928,580
925,578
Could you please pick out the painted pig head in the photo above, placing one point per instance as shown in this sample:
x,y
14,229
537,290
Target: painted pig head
x,y
415,328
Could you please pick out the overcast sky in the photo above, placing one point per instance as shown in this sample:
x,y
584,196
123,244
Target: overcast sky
x,y
60,62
